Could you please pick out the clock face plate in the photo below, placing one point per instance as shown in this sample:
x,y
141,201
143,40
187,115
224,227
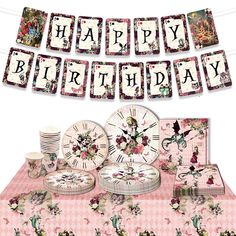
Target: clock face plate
x,y
69,182
133,133
129,178
85,145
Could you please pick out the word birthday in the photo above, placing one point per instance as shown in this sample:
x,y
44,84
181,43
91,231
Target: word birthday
x,y
103,75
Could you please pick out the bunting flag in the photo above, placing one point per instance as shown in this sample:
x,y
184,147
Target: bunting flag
x,y
118,42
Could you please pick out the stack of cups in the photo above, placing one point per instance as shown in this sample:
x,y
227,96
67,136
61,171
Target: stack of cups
x,y
49,144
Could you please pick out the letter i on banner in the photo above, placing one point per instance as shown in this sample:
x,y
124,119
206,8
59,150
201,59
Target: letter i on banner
x,y
202,28
175,33
46,74
31,28
18,67
188,76
146,34
118,37
216,70
60,32
74,78
159,83
131,82
103,78
89,34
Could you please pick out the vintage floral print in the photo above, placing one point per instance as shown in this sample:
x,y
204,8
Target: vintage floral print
x,y
18,67
203,28
31,28
216,70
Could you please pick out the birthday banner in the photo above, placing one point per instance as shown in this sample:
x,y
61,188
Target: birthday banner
x,y
133,77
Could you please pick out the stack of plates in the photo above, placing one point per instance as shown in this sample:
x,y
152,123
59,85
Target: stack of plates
x,y
129,178
69,182
50,139
198,180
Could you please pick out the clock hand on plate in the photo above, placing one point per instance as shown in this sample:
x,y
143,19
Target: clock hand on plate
x,y
124,131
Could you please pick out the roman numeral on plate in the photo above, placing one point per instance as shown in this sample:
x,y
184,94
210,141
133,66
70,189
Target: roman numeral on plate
x,y
112,149
75,163
75,128
120,114
66,145
132,112
84,165
85,126
109,137
103,145
153,149
155,137
68,155
120,158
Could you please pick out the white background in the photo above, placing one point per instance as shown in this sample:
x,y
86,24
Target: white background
x,y
23,112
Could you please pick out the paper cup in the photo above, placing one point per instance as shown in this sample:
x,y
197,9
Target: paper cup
x,y
34,161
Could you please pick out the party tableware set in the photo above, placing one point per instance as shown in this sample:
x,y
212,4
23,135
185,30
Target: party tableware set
x,y
122,153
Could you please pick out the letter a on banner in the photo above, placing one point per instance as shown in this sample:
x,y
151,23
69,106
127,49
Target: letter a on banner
x,y
18,67
118,37
175,33
60,32
216,70
146,34
89,35
74,78
188,76
131,77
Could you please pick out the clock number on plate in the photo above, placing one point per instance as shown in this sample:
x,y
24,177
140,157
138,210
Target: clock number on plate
x,y
109,137
75,128
100,136
84,165
103,145
111,124
100,155
128,182
132,111
120,114
144,115
107,178
144,159
66,145
85,126
68,155
155,137
120,158
116,182
112,149
75,162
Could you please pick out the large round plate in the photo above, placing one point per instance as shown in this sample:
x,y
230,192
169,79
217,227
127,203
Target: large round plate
x,y
85,145
133,133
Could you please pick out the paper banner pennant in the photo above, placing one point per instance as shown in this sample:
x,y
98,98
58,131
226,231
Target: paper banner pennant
x,y
131,77
188,76
103,76
46,74
18,67
60,32
146,34
175,33
74,78
89,34
159,83
31,28
202,28
216,70
118,37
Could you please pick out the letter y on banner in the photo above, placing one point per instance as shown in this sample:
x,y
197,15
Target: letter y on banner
x,y
118,37
60,32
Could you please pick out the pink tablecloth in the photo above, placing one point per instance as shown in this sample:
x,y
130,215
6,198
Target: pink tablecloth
x,y
26,208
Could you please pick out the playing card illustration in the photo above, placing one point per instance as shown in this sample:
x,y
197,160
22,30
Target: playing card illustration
x,y
89,34
175,33
18,67
103,77
31,27
118,37
159,83
188,76
216,70
60,32
146,33
74,78
131,80
183,142
46,74
202,28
